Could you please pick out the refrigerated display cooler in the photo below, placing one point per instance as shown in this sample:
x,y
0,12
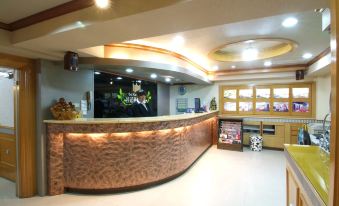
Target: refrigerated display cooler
x,y
230,134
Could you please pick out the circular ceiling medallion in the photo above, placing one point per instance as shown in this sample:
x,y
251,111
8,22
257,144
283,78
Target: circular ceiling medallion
x,y
252,49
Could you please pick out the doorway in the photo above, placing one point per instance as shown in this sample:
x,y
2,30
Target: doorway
x,y
8,143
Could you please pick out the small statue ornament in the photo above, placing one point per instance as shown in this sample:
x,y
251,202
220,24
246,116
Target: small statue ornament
x,y
213,104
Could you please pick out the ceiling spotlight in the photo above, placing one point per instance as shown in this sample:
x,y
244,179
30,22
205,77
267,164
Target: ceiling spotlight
x,y
129,70
102,4
290,22
111,82
119,78
167,79
97,73
250,54
307,55
153,76
267,63
233,66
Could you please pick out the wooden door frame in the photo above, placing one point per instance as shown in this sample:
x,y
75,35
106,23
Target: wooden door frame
x,y
334,154
26,131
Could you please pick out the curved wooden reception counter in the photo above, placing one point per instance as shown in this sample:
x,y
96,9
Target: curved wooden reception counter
x,y
121,154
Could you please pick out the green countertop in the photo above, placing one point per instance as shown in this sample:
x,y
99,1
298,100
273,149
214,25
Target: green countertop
x,y
314,164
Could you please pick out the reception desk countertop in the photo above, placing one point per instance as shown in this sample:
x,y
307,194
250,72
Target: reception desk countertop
x,y
313,163
131,120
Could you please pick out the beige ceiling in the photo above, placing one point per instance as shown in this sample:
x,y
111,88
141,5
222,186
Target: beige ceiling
x,y
205,24
13,10
307,34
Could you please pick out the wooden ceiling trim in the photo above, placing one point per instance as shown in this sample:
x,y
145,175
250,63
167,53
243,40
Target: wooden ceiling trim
x,y
56,11
319,56
261,70
4,26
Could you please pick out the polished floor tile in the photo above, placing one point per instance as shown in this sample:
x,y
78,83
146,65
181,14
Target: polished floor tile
x,y
218,178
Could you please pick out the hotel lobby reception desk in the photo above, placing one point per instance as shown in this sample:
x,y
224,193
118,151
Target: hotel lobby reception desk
x,y
122,154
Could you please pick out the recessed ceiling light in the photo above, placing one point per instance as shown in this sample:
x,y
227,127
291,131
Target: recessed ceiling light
x,y
97,73
102,4
249,54
267,63
111,82
139,81
178,40
249,41
80,24
215,67
167,79
290,22
119,78
153,76
307,55
233,67
129,70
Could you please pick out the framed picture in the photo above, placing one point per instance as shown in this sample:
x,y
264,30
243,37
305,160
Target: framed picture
x,y
281,93
280,107
262,106
263,93
230,94
230,106
300,92
245,93
245,106
300,107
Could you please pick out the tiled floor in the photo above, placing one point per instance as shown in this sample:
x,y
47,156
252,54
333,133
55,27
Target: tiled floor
x,y
219,178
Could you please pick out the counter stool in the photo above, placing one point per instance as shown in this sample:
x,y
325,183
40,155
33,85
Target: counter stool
x,y
256,143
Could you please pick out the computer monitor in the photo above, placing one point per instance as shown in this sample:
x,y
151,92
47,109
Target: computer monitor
x,y
197,105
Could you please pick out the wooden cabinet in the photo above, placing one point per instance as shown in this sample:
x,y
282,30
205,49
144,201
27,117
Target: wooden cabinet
x,y
296,195
7,157
291,136
273,133
250,128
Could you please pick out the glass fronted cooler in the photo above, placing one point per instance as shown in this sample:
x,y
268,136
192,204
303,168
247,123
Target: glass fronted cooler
x,y
230,134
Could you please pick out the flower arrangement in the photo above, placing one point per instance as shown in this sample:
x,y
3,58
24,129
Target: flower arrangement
x,y
63,110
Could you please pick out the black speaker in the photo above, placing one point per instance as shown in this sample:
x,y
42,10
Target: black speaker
x,y
299,74
71,60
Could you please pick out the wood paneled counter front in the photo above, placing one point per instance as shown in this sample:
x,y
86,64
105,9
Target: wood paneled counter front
x,y
125,153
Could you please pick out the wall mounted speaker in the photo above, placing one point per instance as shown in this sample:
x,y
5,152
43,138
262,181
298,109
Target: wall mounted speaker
x,y
71,60
299,74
